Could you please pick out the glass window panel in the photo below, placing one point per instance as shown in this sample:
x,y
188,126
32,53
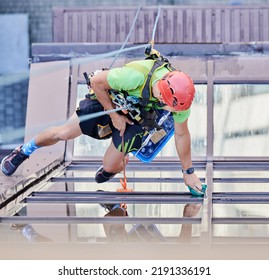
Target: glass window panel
x,y
241,174
240,187
241,120
240,210
241,230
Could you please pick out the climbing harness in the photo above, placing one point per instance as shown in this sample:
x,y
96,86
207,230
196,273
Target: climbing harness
x,y
151,120
135,107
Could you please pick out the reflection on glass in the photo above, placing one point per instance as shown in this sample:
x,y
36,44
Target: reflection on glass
x,y
191,210
241,187
240,210
241,173
241,230
146,210
145,232
29,233
241,120
86,146
110,232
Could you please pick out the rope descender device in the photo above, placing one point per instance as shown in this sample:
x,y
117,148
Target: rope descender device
x,y
150,51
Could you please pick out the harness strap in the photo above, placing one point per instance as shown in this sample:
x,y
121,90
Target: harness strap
x,y
147,90
158,62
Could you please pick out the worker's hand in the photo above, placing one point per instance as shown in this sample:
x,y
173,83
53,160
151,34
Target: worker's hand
x,y
193,182
191,209
119,122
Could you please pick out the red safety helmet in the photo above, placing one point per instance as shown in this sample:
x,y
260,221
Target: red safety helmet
x,y
177,90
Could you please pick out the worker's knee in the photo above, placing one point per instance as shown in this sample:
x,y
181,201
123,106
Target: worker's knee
x,y
60,133
68,131
64,134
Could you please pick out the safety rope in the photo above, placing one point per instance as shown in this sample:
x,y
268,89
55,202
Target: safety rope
x,y
155,24
128,36
124,180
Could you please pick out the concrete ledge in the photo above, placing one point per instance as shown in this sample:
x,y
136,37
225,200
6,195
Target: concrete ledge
x,y
42,52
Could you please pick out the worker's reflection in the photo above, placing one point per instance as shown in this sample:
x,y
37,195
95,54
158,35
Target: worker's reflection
x,y
144,233
190,210
115,232
29,233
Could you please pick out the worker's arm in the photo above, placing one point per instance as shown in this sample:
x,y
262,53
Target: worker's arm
x,y
101,87
183,147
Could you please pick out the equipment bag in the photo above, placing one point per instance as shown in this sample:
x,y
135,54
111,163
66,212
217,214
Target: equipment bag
x,y
153,142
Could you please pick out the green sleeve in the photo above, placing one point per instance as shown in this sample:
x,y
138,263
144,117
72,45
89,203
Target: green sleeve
x,y
124,78
180,117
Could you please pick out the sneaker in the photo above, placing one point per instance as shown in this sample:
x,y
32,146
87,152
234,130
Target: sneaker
x,y
116,232
109,206
11,162
29,233
102,176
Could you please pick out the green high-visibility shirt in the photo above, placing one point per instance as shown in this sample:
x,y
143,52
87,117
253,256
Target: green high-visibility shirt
x,y
131,78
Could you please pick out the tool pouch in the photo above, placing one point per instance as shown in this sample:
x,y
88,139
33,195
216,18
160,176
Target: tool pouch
x,y
98,127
